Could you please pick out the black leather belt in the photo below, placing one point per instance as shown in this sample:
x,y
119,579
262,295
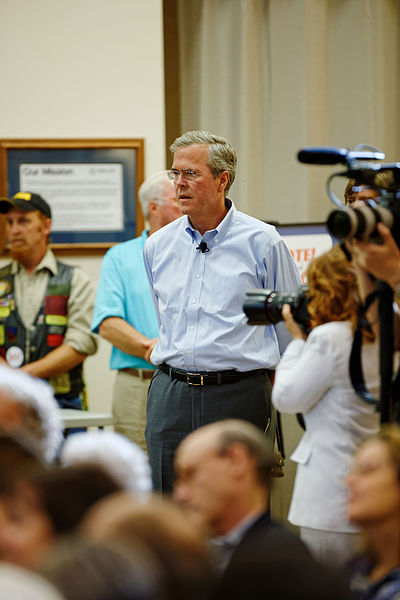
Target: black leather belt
x,y
208,377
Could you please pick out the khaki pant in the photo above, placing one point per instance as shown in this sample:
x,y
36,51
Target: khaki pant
x,y
129,406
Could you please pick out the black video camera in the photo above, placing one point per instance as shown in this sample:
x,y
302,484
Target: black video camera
x,y
360,223
264,307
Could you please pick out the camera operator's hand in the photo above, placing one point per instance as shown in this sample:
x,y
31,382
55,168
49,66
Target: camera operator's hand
x,y
381,260
293,327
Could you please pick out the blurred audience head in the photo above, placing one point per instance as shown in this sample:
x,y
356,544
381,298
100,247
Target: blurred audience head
x,y
46,504
121,457
83,570
19,455
176,543
27,405
374,481
220,470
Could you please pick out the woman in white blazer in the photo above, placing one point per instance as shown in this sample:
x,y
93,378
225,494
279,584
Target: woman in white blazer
x,y
313,378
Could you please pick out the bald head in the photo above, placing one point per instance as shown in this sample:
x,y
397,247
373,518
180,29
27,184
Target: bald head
x,y
223,471
221,435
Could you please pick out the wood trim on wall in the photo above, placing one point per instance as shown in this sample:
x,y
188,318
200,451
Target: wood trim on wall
x,y
97,248
171,76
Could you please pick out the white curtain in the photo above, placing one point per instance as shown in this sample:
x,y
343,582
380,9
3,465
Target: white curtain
x,y
274,76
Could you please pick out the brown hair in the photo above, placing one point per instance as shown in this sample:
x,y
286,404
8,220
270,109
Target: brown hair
x,y
382,179
163,527
332,289
66,493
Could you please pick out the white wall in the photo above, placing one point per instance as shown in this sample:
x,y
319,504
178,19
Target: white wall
x,y
84,69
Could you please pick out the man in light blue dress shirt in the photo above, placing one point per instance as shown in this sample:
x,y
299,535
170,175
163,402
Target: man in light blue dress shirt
x,y
211,364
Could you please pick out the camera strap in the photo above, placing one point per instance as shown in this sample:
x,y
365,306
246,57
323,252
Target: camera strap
x,y
396,398
356,372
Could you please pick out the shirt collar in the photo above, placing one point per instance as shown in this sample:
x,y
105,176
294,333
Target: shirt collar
x,y
48,262
235,535
219,230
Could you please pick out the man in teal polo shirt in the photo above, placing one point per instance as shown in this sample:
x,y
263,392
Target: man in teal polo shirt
x,y
124,313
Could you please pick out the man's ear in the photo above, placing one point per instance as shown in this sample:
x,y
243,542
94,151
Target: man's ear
x,y
152,207
239,458
223,180
47,226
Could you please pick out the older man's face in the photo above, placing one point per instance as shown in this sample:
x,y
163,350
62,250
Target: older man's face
x,y
203,195
169,208
203,481
26,231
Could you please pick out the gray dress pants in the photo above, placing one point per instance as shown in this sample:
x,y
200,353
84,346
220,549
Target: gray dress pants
x,y
174,409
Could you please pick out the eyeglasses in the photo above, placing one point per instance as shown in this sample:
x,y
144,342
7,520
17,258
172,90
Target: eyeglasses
x,y
187,174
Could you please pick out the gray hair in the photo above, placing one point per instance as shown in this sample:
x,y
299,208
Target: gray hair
x,y
121,457
221,155
152,190
237,431
37,395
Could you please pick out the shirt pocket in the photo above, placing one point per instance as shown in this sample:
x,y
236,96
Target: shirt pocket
x,y
227,293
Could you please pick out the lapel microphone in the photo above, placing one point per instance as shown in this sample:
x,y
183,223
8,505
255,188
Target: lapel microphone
x,y
203,247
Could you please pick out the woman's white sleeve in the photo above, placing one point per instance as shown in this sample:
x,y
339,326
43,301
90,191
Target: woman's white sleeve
x,y
303,375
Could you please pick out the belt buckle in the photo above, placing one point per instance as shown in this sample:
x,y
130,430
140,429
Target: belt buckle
x,y
195,374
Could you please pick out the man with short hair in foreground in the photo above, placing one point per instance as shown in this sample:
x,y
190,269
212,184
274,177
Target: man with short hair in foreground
x,y
223,478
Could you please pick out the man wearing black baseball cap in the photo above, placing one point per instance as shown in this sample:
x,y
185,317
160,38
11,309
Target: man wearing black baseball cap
x,y
45,305
26,202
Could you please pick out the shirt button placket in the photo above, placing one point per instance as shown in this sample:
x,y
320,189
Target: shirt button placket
x,y
193,312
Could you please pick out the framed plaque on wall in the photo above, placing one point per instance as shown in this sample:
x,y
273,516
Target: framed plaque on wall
x,y
90,184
